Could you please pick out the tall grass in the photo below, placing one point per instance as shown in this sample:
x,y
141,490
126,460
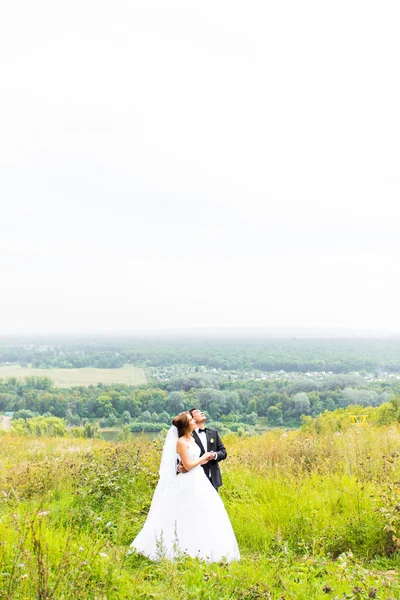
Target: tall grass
x,y
313,514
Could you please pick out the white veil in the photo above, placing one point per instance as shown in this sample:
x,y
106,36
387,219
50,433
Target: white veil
x,y
167,473
169,457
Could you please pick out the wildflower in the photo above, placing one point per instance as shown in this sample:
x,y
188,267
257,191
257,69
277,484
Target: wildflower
x,y
24,576
109,524
44,513
21,566
103,554
84,562
81,548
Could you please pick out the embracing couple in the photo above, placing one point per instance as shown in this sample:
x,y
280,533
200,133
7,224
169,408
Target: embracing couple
x,y
187,516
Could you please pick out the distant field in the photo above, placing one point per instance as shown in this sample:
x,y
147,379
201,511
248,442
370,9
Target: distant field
x,y
127,374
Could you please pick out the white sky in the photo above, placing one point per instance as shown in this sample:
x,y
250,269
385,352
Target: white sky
x,y
199,164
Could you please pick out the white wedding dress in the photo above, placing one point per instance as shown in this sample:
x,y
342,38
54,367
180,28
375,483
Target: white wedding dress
x,y
187,516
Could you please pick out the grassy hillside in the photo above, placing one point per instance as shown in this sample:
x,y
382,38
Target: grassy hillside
x,y
316,516
128,374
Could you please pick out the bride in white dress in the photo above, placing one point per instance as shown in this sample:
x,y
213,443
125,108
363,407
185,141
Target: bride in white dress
x,y
187,516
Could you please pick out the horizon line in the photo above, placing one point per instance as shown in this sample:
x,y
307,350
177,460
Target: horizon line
x,y
297,331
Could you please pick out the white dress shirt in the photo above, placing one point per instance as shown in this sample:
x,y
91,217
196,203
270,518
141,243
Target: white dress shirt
x,y
204,440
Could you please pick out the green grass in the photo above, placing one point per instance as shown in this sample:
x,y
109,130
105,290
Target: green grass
x,y
128,374
315,517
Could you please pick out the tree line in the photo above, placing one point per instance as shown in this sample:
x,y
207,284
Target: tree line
x,y
297,354
272,402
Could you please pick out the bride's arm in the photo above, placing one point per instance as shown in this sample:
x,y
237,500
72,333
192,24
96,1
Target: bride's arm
x,y
181,448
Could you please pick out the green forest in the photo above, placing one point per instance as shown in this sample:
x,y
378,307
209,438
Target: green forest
x,y
214,375
229,405
338,355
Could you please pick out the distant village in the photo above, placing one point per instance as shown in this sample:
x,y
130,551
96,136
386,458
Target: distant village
x,y
170,372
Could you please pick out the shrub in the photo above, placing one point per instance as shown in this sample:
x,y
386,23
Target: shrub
x,y
24,414
40,426
147,427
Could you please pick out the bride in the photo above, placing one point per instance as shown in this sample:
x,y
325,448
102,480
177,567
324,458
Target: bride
x,y
187,516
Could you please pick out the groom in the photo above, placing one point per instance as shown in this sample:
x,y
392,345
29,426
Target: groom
x,y
208,440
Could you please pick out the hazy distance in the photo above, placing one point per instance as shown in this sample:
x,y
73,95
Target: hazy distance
x,y
198,166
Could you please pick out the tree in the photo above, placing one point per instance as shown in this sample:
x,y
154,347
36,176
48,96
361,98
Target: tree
x,y
104,405
38,383
126,416
301,404
233,402
23,414
395,402
111,420
274,414
252,407
212,400
175,402
164,418
158,400
91,430
252,418
72,419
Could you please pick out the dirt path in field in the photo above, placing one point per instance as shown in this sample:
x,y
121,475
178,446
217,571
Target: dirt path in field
x,y
5,423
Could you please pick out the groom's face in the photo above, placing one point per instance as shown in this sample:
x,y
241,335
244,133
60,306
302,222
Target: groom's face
x,y
198,416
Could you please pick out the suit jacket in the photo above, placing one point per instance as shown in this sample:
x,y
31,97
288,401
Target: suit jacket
x,y
215,444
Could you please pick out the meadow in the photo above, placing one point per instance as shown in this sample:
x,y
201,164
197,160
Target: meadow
x,y
315,515
128,375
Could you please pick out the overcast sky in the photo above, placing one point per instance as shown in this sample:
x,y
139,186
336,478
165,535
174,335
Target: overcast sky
x,y
199,164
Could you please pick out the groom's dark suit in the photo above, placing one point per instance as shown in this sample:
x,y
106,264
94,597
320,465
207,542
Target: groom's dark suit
x,y
215,444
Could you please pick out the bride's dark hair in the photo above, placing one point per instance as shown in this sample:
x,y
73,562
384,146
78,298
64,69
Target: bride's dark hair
x,y
181,422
